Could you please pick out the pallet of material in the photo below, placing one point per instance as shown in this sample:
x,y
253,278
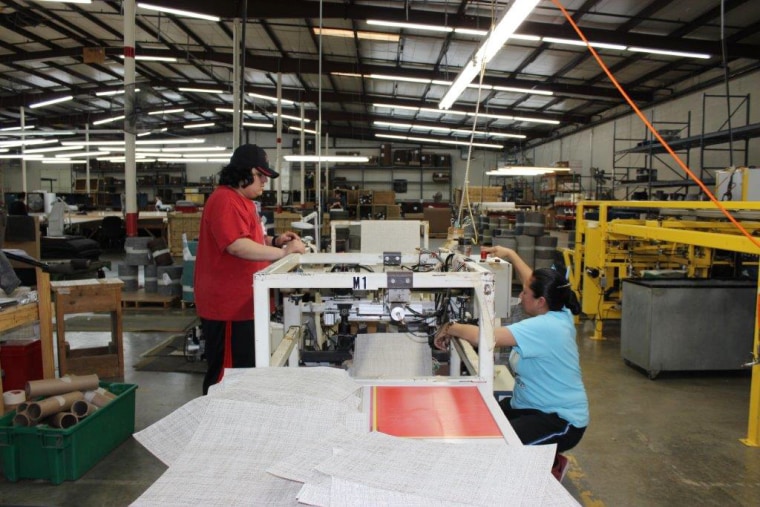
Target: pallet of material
x,y
182,223
479,194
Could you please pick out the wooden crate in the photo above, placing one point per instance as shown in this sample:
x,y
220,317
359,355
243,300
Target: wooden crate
x,y
479,194
383,197
283,220
182,223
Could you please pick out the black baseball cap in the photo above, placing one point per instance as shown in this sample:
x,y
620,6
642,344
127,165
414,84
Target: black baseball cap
x,y
250,155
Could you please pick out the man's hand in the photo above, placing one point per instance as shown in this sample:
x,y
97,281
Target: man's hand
x,y
284,238
294,245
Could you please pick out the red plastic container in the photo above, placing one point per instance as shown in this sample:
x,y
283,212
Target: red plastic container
x,y
21,361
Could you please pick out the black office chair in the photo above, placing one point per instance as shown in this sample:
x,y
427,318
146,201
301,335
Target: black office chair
x,y
112,233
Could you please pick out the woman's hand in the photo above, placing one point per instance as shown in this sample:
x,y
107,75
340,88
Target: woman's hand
x,y
442,337
498,251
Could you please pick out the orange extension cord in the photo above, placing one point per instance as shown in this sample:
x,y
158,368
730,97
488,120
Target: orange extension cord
x,y
651,127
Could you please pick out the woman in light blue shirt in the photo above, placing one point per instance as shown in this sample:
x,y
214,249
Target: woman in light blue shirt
x,y
549,403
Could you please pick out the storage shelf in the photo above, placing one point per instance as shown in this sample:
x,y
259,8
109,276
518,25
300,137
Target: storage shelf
x,y
722,136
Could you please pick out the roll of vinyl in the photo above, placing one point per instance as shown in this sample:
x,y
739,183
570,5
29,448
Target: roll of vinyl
x,y
506,241
534,224
138,253
519,223
151,279
545,248
159,251
526,247
14,397
128,275
169,280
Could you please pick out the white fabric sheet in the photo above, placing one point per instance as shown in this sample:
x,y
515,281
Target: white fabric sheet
x,y
391,356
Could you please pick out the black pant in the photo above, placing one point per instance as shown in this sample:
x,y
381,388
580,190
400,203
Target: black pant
x,y
243,347
534,427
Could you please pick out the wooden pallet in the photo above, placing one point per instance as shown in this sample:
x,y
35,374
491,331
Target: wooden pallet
x,y
141,299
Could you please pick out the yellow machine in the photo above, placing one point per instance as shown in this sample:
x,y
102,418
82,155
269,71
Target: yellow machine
x,y
615,240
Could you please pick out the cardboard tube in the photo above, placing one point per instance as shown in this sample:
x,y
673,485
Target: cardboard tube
x,y
82,409
63,385
40,409
63,420
105,392
21,419
22,407
97,399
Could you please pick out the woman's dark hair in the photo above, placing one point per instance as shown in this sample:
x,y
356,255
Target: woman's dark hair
x,y
235,176
555,289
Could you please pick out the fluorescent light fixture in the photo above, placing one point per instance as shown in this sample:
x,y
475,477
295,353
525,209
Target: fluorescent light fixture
x,y
445,130
68,1
271,99
26,142
505,28
181,160
178,12
463,113
199,125
230,110
390,77
683,54
299,129
295,118
202,148
578,42
410,26
173,140
325,158
54,149
517,171
440,141
51,102
109,120
518,90
201,90
471,31
86,154
511,170
148,58
12,129
61,161
536,120
167,111
21,156
255,125
112,92
349,34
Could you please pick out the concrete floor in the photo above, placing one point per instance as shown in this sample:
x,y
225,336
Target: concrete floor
x,y
671,441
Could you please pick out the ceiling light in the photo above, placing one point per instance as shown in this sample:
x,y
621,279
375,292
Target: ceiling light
x,y
202,148
517,171
54,149
271,99
67,1
295,118
51,101
578,42
199,125
108,120
181,160
299,129
147,58
683,54
61,161
26,142
349,34
440,141
11,129
325,158
257,125
201,90
470,31
410,26
178,12
445,130
21,156
112,92
86,154
189,140
387,77
506,26
167,111
513,89
230,110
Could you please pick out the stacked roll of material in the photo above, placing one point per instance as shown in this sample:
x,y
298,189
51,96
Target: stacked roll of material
x,y
188,274
151,279
519,222
546,246
129,275
170,280
487,238
526,248
506,238
534,224
159,252
138,253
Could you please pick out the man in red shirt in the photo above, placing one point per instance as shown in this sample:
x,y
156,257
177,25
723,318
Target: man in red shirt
x,y
232,246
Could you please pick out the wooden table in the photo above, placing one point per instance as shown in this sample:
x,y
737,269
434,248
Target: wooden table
x,y
85,296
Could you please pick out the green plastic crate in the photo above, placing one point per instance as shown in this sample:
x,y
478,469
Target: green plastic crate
x,y
59,455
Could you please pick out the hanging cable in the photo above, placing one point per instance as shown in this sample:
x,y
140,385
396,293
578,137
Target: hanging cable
x,y
724,57
651,128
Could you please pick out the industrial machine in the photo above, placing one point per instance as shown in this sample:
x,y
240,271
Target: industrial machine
x,y
331,299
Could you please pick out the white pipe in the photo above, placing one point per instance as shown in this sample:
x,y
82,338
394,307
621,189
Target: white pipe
x,y
130,167
237,102
278,137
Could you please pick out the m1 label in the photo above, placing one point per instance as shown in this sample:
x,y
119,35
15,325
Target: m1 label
x,y
360,283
